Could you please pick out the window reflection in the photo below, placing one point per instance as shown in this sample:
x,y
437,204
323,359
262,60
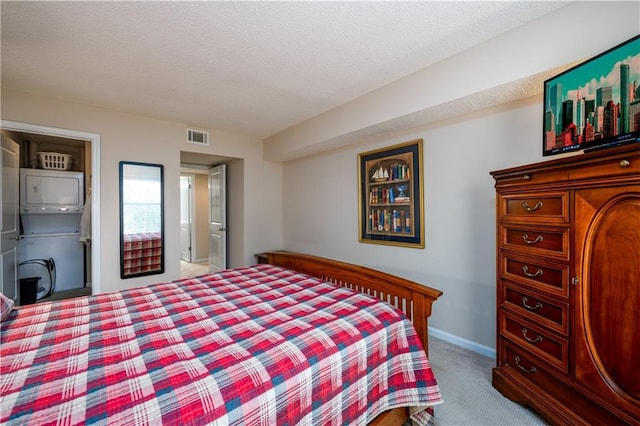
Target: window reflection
x,y
141,204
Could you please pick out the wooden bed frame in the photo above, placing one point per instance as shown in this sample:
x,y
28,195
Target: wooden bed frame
x,y
413,299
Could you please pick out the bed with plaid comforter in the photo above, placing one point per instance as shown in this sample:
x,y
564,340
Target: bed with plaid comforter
x,y
258,345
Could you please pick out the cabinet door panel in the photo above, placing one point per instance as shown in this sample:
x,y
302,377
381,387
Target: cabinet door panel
x,y
610,294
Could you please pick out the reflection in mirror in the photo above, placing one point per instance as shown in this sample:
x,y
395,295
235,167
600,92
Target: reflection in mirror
x,y
141,219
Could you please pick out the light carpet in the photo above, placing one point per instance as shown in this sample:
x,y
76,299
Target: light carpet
x,y
464,378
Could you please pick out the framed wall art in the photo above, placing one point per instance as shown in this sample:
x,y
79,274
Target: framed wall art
x,y
391,195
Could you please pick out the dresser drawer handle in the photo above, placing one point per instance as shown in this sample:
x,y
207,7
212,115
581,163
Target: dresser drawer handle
x,y
526,370
526,239
534,208
529,307
624,163
525,270
530,340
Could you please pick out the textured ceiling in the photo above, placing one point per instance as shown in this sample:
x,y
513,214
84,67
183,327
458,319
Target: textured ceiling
x,y
254,68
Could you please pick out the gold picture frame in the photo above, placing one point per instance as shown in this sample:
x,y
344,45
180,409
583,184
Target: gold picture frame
x,y
391,195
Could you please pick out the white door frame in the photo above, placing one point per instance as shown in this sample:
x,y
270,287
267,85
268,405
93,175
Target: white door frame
x,y
218,229
10,149
94,139
192,215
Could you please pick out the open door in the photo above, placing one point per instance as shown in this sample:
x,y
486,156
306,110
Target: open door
x,y
217,218
9,204
186,218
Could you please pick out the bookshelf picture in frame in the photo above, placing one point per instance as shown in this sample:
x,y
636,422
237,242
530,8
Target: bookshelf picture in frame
x,y
391,195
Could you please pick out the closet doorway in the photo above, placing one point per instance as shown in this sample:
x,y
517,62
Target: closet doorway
x,y
53,135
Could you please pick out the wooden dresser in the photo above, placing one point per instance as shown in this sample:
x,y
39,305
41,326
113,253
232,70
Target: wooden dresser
x,y
568,287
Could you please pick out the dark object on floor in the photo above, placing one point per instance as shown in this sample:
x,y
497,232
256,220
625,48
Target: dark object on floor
x,y
28,290
45,269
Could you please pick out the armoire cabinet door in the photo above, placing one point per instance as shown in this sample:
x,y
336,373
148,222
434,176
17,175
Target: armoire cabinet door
x,y
607,309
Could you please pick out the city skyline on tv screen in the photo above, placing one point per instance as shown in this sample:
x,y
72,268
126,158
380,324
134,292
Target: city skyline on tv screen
x,y
595,103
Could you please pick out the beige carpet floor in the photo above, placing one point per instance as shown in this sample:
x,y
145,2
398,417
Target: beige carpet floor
x,y
188,270
464,378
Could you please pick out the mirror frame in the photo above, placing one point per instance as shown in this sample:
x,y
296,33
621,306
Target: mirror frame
x,y
159,270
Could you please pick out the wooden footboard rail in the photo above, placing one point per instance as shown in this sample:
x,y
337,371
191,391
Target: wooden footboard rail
x,y
413,299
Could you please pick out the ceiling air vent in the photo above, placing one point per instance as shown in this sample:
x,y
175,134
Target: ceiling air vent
x,y
198,137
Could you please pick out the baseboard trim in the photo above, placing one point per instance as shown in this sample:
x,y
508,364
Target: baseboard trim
x,y
464,343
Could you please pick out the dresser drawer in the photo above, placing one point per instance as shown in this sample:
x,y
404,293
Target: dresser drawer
x,y
546,277
623,165
541,310
534,339
550,386
543,208
527,366
523,362
537,241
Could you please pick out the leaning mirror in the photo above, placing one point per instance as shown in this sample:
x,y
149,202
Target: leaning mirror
x,y
141,219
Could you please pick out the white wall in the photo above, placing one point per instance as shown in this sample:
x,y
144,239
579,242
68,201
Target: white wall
x,y
320,190
321,205
135,138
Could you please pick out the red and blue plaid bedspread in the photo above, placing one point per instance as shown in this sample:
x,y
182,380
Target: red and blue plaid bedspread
x,y
258,345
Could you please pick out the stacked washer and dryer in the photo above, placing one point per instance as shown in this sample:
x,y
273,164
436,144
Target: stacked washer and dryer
x,y
51,205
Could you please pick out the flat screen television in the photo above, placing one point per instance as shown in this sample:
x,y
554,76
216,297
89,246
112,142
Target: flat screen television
x,y
595,104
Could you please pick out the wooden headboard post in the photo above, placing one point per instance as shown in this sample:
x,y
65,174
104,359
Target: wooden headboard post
x,y
413,299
